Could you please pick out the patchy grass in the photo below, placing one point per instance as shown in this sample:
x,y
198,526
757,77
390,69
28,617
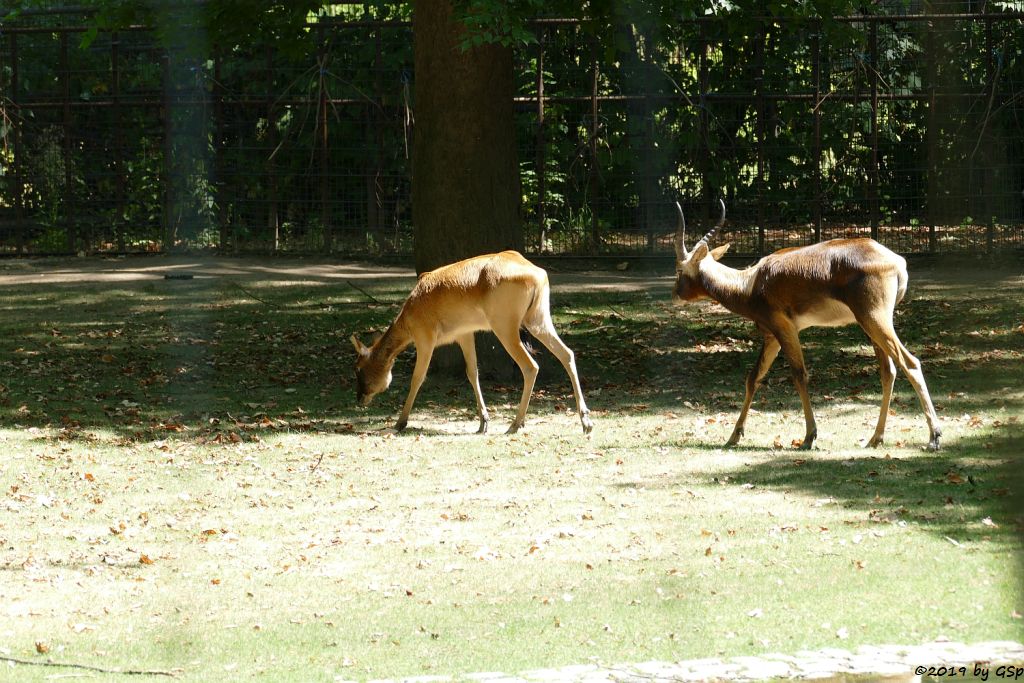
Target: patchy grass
x,y
186,486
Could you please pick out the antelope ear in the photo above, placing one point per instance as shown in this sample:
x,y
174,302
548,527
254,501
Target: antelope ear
x,y
719,252
360,349
700,250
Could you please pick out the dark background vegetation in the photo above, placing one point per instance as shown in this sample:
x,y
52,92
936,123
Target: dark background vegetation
x,y
290,127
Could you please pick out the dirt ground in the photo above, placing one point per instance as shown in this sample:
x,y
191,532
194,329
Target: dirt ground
x,y
42,271
926,274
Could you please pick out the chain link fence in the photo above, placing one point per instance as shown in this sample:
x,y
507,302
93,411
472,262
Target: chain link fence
x,y
908,128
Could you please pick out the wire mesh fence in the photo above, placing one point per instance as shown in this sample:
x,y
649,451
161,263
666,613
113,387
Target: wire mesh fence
x,y
908,128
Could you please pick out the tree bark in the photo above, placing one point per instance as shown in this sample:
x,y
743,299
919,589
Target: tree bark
x,y
465,188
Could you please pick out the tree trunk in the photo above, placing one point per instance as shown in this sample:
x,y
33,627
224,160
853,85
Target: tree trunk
x,y
465,189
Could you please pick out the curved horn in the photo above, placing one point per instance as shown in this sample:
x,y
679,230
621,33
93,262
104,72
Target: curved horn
x,y
721,222
680,240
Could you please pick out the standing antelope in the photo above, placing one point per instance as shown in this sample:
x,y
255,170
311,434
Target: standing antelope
x,y
832,283
498,292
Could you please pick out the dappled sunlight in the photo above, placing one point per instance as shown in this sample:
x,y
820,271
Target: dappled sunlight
x,y
46,272
184,438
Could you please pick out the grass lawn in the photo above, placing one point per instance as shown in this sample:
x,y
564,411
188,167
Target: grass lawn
x,y
186,485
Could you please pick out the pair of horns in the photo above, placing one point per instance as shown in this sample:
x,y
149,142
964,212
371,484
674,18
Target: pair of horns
x,y
680,241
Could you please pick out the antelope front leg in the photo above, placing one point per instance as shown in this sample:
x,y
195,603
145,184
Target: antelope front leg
x,y
419,373
769,352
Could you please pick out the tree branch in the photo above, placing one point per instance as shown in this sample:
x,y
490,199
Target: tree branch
x,y
367,294
248,293
87,667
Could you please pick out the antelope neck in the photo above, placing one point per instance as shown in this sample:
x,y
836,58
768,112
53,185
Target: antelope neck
x,y
394,341
727,286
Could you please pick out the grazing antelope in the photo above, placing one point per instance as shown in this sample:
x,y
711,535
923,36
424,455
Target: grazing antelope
x,y
832,283
498,292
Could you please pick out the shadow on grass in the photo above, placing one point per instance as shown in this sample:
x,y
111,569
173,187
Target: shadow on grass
x,y
198,359
950,493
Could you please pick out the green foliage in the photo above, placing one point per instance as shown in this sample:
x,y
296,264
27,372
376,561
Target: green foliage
x,y
686,122
496,21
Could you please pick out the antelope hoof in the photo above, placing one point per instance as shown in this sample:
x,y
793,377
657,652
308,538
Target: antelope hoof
x,y
808,442
874,442
933,443
588,425
400,425
735,438
514,427
483,427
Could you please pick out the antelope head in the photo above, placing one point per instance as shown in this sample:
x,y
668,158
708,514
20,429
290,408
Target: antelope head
x,y
373,373
688,282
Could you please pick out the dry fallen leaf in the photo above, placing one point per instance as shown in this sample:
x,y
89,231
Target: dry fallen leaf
x,y
41,647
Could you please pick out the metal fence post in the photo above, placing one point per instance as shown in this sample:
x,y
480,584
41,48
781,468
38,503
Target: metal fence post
x,y
986,190
325,196
593,180
760,126
273,222
16,121
816,75
539,145
374,110
121,209
69,188
873,168
219,183
703,120
648,182
167,127
931,135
